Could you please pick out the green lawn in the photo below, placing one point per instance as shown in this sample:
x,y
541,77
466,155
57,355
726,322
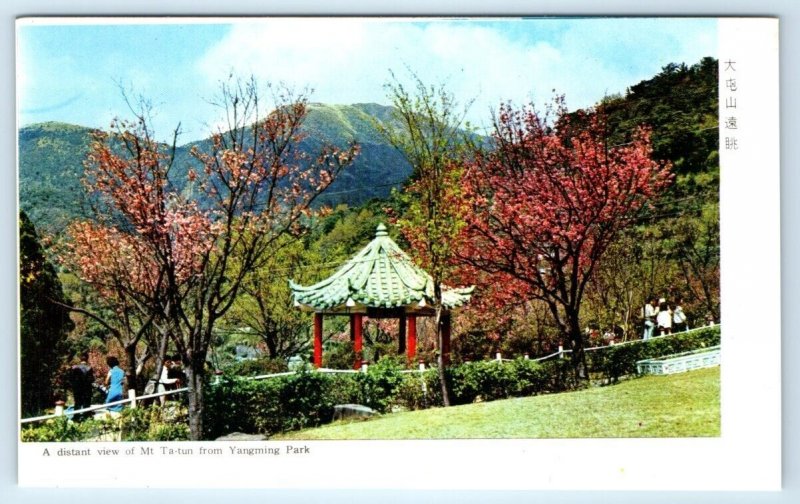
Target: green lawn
x,y
681,405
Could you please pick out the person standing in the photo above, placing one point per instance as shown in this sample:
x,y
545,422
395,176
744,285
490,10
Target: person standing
x,y
649,315
165,381
81,377
664,318
115,380
679,319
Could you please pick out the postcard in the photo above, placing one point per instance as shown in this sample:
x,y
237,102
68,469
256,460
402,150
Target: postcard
x,y
340,252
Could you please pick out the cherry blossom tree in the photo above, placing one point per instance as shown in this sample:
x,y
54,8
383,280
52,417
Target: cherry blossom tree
x,y
124,277
547,200
194,234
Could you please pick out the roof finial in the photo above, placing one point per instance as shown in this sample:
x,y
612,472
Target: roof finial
x,y
381,230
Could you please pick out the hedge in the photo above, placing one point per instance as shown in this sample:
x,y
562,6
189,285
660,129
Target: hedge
x,y
145,423
306,399
612,362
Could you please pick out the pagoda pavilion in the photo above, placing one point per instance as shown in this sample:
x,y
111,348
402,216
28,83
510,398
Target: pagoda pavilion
x,y
380,281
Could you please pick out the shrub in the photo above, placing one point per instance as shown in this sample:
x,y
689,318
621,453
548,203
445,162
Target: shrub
x,y
615,361
239,405
492,380
153,423
306,399
339,355
169,432
56,429
378,387
138,424
255,367
418,391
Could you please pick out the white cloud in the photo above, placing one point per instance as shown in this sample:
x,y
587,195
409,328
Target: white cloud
x,y
347,60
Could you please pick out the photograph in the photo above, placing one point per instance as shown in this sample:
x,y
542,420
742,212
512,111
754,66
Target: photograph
x,y
238,236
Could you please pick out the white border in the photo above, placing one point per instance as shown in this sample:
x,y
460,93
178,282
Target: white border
x,y
746,456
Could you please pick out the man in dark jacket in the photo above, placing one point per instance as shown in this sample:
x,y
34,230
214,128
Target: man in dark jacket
x,y
82,379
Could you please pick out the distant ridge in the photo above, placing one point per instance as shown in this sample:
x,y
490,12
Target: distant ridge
x,y
680,104
51,156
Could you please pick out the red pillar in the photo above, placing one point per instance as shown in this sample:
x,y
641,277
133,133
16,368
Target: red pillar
x,y
318,340
401,344
352,327
446,338
358,324
412,337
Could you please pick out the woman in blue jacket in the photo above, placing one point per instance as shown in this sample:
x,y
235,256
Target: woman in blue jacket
x,y
114,382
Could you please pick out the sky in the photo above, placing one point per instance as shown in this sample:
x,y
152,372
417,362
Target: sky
x,y
75,71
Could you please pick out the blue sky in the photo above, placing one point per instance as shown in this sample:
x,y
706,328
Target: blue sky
x,y
73,72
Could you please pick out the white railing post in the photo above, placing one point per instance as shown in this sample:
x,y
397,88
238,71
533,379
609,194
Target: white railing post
x,y
60,408
560,351
422,365
132,397
527,356
364,367
499,357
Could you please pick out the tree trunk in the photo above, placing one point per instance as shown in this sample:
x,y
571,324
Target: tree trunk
x,y
440,361
130,353
578,357
194,381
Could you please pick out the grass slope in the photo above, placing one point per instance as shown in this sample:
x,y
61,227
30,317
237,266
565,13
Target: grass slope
x,y
681,405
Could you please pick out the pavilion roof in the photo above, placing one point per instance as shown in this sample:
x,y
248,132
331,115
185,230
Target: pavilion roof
x,y
381,275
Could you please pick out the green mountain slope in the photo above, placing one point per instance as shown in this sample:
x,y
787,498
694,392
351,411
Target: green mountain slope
x,y
679,103
51,159
50,168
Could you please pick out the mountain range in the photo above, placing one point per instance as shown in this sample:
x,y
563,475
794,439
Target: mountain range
x,y
51,157
680,104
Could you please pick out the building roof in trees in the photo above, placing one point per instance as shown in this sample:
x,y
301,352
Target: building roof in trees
x,y
380,277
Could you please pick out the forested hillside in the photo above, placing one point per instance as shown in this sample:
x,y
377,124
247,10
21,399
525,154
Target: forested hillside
x,y
51,157
666,247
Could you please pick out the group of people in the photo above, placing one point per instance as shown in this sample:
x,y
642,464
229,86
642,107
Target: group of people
x,y
82,381
662,318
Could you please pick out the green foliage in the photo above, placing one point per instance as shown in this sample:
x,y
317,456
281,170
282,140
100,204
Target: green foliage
x,y
239,405
378,387
43,324
51,159
493,380
273,405
680,104
615,361
53,430
307,399
264,305
255,367
418,391
679,405
50,168
152,423
339,355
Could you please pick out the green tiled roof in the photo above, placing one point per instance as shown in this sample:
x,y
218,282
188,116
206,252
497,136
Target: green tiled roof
x,y
381,275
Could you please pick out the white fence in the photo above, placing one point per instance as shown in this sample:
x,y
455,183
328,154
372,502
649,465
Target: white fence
x,y
132,397
131,400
